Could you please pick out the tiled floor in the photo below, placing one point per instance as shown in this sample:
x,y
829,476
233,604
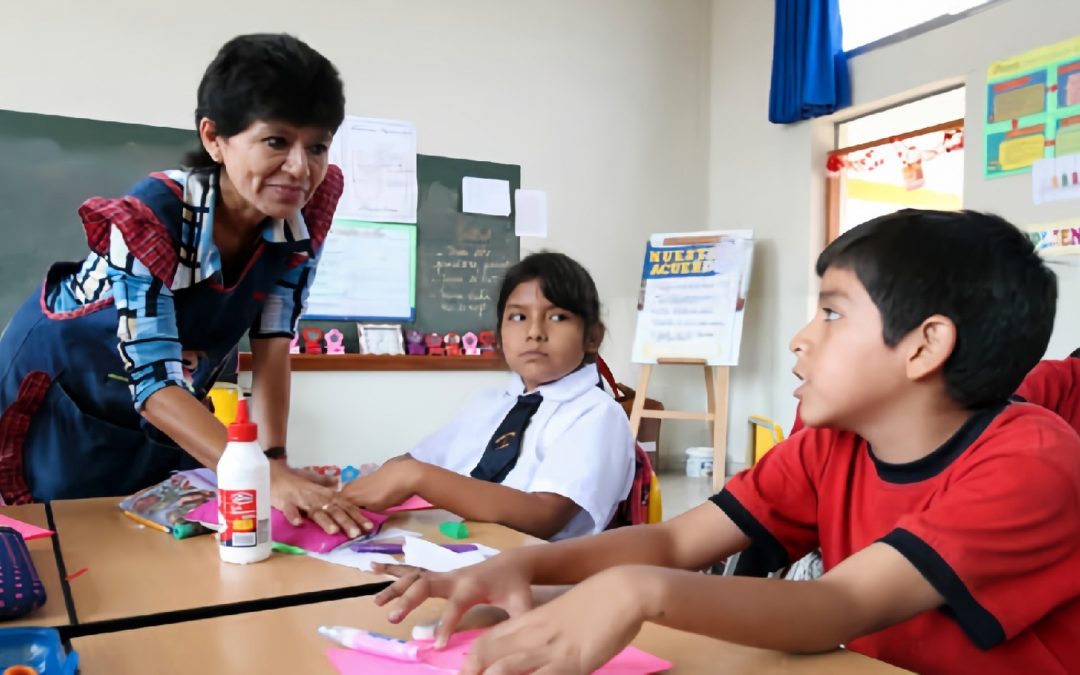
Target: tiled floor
x,y
680,493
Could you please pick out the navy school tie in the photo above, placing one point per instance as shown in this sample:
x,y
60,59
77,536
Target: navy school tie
x,y
501,453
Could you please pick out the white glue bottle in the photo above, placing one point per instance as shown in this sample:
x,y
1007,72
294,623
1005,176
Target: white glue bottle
x,y
243,477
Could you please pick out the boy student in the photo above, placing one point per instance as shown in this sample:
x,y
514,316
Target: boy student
x,y
1055,385
549,454
948,518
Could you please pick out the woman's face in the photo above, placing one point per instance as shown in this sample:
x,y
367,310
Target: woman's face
x,y
273,166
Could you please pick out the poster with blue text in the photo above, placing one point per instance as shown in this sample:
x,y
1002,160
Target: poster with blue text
x,y
692,298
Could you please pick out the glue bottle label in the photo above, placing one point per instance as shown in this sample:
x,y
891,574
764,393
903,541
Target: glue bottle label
x,y
239,518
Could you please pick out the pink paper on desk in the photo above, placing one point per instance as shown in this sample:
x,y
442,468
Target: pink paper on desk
x,y
27,530
630,661
308,536
414,503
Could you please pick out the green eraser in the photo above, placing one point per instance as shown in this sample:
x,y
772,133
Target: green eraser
x,y
454,530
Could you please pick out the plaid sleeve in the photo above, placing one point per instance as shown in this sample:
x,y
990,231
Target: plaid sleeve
x,y
149,341
285,304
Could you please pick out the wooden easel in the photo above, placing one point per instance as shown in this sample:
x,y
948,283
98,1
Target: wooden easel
x,y
716,413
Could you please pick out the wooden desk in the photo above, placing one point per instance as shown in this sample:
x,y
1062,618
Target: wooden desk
x,y
285,641
54,612
138,576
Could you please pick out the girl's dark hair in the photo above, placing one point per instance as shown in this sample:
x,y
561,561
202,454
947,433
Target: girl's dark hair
x,y
564,282
263,77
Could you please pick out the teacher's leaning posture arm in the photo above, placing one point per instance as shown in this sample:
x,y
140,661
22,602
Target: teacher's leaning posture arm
x,y
104,369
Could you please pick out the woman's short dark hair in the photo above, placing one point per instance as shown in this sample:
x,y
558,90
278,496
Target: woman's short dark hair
x,y
563,281
264,77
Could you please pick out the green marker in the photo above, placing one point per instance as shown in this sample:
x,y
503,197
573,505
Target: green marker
x,y
289,550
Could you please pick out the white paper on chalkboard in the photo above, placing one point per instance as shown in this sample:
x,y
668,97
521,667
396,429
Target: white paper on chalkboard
x,y
531,219
487,196
367,271
378,160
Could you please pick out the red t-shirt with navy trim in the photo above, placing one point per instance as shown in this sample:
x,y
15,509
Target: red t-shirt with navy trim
x,y
1055,385
991,519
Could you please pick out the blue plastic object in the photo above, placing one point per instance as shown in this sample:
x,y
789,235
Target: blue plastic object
x,y
349,473
38,648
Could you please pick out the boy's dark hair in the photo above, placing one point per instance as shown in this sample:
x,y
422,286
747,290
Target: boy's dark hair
x,y
564,282
267,76
974,268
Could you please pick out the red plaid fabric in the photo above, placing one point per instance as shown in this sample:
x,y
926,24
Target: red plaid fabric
x,y
319,212
14,425
146,238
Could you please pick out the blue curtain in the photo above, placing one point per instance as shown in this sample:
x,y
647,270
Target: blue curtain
x,y
809,69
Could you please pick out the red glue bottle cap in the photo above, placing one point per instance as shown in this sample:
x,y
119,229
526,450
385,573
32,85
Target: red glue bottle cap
x,y
243,430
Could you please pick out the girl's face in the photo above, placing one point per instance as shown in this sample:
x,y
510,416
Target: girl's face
x,y
273,167
541,342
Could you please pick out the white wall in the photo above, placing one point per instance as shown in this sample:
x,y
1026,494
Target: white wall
x,y
771,177
602,103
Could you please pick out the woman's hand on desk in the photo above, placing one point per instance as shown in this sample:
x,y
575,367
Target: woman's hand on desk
x,y
499,581
296,496
393,483
577,632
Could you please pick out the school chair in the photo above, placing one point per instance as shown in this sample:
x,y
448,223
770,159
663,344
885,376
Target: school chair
x,y
764,435
643,504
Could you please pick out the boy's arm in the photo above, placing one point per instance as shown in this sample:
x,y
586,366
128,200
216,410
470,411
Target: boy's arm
x,y
692,541
582,629
873,589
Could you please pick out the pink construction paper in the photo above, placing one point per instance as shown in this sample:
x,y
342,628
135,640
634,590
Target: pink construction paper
x,y
308,536
27,530
414,503
630,661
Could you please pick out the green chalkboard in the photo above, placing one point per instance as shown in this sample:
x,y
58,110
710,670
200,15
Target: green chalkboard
x,y
48,167
461,257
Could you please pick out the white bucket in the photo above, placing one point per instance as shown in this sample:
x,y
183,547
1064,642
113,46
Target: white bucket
x,y
699,462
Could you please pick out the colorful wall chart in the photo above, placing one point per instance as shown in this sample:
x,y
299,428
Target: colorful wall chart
x,y
1055,239
1032,108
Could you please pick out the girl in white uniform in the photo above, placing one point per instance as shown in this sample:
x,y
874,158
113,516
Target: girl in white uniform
x,y
549,454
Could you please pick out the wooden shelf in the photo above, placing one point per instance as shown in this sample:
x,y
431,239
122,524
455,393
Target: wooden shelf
x,y
339,362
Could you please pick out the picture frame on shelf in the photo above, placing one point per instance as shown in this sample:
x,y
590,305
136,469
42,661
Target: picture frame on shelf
x,y
381,338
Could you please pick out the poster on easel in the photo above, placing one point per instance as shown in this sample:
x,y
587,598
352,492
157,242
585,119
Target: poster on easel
x,y
693,295
1032,108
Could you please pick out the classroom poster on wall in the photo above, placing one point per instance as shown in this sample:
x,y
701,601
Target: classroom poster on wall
x,y
692,298
367,272
1056,179
1032,108
378,160
1053,240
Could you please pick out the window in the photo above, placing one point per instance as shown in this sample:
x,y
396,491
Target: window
x,y
867,21
908,156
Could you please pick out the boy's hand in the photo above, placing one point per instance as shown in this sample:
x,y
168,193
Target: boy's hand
x,y
499,582
392,484
575,633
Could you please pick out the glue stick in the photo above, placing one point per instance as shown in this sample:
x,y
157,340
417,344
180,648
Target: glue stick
x,y
243,476
372,643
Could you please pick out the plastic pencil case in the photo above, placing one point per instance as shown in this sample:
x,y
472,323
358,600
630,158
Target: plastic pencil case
x,y
21,591
36,648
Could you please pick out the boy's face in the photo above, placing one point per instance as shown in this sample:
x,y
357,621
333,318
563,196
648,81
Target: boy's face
x,y
848,372
541,342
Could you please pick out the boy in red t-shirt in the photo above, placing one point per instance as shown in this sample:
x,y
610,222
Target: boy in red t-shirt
x,y
1055,385
948,518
